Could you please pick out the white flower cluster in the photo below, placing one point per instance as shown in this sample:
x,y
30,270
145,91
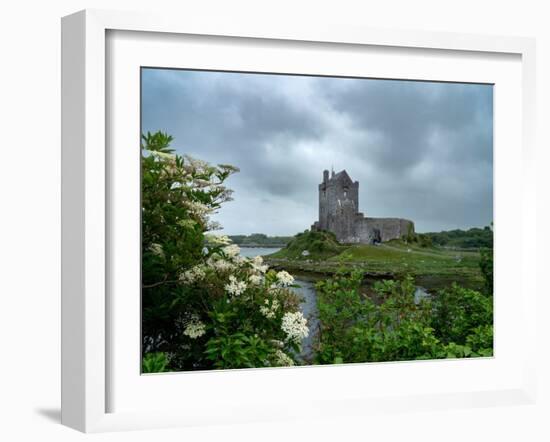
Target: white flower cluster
x,y
162,155
156,249
196,273
235,287
220,264
218,239
194,328
187,223
258,265
198,208
200,183
239,260
285,279
255,279
269,311
224,194
295,326
229,168
168,160
199,166
277,343
282,359
232,250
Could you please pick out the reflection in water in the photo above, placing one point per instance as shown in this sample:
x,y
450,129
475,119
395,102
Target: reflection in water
x,y
306,291
251,252
420,294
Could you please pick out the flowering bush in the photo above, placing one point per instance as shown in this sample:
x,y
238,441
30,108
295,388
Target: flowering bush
x,y
204,305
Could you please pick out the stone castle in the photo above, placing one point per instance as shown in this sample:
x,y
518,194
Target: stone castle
x,y
339,213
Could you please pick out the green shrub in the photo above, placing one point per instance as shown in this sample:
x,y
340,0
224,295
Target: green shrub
x,y
356,329
481,340
392,326
458,311
473,238
424,240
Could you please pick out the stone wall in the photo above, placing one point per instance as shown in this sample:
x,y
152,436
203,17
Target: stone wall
x,y
390,228
371,230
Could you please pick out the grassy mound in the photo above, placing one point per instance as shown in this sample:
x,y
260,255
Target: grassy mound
x,y
432,267
310,245
396,259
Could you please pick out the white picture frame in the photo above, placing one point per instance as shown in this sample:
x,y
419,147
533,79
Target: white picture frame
x,y
87,208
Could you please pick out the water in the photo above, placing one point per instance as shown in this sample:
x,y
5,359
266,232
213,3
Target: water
x,y
251,252
420,293
308,306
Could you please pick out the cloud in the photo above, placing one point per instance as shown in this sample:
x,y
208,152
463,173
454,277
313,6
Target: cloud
x,y
420,150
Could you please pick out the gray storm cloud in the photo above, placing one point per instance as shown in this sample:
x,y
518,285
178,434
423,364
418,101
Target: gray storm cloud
x,y
420,150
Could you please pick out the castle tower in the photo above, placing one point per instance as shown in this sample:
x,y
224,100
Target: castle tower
x,y
338,201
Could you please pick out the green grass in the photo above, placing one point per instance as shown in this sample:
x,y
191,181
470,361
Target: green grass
x,y
433,267
399,260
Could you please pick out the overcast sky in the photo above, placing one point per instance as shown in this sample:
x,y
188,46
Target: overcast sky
x,y
420,150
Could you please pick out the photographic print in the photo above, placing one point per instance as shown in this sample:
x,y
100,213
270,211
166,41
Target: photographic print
x,y
296,220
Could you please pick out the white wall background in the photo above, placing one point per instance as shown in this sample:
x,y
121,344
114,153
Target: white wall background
x,y
30,215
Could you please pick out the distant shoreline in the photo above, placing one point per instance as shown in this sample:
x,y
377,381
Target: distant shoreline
x,y
261,246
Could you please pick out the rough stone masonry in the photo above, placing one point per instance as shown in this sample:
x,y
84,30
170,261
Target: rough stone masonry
x,y
339,213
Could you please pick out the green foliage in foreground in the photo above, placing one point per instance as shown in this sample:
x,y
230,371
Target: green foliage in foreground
x,y
456,323
154,363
